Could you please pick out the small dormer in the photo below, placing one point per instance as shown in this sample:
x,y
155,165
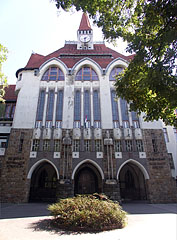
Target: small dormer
x,y
85,34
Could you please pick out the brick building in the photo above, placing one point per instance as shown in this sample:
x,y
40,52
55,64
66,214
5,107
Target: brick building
x,y
70,135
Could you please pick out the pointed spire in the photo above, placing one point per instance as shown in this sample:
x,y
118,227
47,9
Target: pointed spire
x,y
85,24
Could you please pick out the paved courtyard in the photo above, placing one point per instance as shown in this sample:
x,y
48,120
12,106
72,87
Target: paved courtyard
x,y
145,221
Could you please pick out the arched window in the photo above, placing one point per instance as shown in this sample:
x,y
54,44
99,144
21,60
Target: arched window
x,y
114,73
86,74
53,74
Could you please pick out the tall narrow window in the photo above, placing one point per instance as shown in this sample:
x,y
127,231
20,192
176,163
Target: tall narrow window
x,y
170,156
59,108
77,109
129,145
165,135
21,142
135,119
57,145
117,146
124,112
87,145
46,145
35,145
175,132
76,145
87,117
96,109
115,115
154,145
139,146
40,109
98,146
50,104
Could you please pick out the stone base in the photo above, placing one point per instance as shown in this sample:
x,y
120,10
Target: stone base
x,y
112,190
14,182
161,191
65,189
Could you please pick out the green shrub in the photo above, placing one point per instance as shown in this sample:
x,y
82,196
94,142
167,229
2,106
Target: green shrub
x,y
88,213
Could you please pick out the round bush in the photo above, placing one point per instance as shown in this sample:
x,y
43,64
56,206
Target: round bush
x,y
88,213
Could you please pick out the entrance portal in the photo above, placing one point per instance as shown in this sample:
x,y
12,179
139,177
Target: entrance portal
x,y
43,183
87,180
132,183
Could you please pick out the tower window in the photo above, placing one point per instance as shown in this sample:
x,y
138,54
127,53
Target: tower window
x,y
86,74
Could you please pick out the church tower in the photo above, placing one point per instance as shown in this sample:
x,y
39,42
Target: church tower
x,y
85,34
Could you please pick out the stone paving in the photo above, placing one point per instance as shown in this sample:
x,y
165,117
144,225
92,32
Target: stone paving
x,y
145,222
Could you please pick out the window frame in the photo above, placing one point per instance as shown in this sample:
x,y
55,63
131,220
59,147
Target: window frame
x,y
115,69
86,75
49,74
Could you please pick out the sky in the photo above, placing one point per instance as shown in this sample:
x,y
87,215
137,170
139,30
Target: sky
x,y
37,26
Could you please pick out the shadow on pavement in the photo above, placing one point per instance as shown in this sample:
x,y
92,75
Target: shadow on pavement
x,y
8,211
23,210
147,208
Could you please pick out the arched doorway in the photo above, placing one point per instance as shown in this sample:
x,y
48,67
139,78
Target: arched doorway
x,y
132,183
87,180
43,183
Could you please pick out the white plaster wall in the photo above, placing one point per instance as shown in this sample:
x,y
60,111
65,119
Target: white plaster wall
x,y
105,103
68,104
150,125
5,129
27,100
105,92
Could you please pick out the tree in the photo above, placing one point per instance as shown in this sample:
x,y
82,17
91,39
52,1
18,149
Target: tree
x,y
3,78
149,83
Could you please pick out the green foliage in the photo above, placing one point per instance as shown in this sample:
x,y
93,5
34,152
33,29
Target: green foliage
x,y
149,27
88,213
3,79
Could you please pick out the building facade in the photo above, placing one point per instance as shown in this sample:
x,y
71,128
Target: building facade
x,y
69,134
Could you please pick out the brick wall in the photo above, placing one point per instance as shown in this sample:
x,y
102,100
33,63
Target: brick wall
x,y
161,185
15,186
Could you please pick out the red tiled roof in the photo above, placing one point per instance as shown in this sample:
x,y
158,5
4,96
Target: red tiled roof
x,y
34,59
70,55
85,24
10,93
